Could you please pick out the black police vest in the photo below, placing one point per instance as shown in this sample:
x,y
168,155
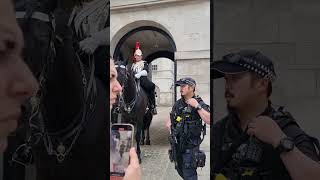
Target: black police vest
x,y
188,124
270,165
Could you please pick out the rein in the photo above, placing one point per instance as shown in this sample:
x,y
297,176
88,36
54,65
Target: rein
x,y
128,107
37,126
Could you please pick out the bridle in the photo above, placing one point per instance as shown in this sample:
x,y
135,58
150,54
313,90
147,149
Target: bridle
x,y
53,142
127,107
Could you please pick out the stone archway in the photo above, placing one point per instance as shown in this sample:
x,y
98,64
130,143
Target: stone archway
x,y
155,42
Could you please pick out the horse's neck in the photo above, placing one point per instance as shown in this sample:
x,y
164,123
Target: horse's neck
x,y
65,91
130,91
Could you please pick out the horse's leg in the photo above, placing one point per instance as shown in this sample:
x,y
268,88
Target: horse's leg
x,y
143,131
138,137
148,136
142,137
148,124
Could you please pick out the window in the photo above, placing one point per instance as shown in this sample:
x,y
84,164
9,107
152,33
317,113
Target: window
x,y
155,67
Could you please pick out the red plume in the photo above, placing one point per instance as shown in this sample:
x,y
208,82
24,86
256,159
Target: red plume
x,y
137,45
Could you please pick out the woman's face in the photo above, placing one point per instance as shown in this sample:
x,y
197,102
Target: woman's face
x,y
17,82
115,87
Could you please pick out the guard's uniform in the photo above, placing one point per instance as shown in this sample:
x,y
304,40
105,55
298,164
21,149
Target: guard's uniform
x,y
144,80
141,67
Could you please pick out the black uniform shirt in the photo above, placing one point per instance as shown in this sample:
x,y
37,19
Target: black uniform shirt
x,y
253,152
179,109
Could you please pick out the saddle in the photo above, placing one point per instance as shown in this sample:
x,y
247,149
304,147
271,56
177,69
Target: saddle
x,y
140,88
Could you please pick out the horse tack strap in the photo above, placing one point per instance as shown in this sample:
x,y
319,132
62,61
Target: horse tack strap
x,y
121,66
91,84
35,15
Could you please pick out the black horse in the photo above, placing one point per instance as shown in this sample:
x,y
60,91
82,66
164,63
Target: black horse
x,y
132,105
68,124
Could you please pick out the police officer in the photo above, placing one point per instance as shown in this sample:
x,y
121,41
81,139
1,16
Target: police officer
x,y
186,125
141,70
257,140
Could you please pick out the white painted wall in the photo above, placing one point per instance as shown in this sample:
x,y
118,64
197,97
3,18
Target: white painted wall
x,y
164,79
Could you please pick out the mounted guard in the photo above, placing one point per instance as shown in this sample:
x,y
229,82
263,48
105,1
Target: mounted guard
x,y
140,69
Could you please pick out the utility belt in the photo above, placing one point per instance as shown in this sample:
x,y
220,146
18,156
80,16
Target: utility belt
x,y
186,137
198,158
189,140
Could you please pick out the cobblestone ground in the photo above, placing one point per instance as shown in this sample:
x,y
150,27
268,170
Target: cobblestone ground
x,y
155,160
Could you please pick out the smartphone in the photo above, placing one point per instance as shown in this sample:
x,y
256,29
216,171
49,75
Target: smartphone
x,y
121,141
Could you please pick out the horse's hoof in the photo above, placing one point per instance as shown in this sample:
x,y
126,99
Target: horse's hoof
x,y
148,143
139,160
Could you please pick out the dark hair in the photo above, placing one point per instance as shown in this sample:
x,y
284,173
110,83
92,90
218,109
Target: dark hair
x,y
269,87
190,86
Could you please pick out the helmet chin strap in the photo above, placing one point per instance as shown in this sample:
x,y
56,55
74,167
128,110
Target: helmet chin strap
x,y
135,60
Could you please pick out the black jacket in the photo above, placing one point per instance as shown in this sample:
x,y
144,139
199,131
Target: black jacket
x,y
193,125
227,131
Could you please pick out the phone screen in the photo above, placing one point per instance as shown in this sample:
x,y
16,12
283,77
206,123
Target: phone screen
x,y
120,143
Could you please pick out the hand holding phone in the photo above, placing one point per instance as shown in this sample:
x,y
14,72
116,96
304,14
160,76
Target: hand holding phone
x,y
121,141
133,171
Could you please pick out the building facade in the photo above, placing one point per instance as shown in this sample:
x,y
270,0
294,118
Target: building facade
x,y
178,30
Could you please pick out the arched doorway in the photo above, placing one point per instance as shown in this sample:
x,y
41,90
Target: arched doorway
x,y
155,42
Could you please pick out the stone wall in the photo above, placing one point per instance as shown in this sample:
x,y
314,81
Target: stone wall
x,y
288,32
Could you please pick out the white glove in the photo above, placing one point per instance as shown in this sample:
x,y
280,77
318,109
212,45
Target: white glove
x,y
142,73
89,45
138,75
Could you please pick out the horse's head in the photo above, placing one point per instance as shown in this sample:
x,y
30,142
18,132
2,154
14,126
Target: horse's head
x,y
122,72
50,55
36,21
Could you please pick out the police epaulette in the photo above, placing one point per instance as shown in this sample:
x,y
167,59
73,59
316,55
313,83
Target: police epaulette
x,y
279,112
284,112
198,98
283,117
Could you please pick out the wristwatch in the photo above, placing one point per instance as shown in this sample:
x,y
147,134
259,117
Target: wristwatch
x,y
198,107
286,145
